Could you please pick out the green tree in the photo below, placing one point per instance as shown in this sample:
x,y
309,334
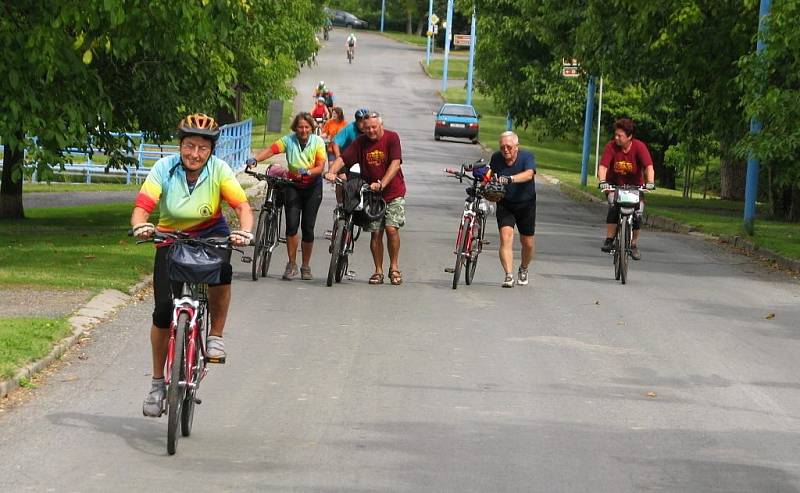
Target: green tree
x,y
76,72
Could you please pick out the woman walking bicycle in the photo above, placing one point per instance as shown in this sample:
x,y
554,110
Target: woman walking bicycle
x,y
188,190
305,155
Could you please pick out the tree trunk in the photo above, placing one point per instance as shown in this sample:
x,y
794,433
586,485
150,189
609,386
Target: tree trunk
x,y
10,190
409,23
794,207
664,174
732,174
421,26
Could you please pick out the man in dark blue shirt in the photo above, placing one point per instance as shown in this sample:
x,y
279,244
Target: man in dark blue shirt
x,y
515,168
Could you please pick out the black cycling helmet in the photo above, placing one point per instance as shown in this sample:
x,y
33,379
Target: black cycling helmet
x,y
199,124
374,205
361,113
494,191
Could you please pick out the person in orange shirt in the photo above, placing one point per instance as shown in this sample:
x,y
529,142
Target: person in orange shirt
x,y
331,128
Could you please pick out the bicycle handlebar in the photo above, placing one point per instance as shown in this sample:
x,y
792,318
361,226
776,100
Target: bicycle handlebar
x,y
265,177
212,242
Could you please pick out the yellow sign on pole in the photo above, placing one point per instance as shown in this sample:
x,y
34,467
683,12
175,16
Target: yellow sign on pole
x,y
434,19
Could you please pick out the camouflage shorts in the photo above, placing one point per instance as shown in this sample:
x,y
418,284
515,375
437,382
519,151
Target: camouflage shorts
x,y
395,216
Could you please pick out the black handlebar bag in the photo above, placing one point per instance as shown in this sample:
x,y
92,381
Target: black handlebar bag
x,y
194,263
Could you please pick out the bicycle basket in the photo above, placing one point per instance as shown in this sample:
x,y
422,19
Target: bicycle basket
x,y
196,264
494,191
627,198
351,194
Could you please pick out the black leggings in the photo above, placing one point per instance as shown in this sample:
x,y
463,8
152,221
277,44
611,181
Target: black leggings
x,y
305,201
163,288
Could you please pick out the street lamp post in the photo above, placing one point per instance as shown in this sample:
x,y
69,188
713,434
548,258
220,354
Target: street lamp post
x,y
430,34
472,43
383,12
447,43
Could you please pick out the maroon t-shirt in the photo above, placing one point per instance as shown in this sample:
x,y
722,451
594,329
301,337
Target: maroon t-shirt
x,y
374,158
626,168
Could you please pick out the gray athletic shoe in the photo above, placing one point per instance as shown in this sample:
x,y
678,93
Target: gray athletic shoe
x,y
305,273
522,276
509,280
153,405
290,272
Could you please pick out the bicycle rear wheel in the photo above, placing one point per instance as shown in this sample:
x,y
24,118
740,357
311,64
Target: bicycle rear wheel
x,y
625,245
260,242
176,392
474,250
336,248
461,246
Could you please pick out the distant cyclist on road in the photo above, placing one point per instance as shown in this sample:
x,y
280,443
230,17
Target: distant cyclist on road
x,y
625,161
351,44
322,91
319,110
305,155
331,128
188,190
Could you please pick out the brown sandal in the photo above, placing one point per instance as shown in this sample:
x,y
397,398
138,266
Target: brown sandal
x,y
396,277
377,278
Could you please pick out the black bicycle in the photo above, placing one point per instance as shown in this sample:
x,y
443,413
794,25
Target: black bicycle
x,y
268,231
472,229
627,199
359,205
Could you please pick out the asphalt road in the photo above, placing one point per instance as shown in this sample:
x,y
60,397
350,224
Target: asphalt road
x,y
679,381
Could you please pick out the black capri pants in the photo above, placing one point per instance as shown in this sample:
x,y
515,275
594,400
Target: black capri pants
x,y
302,204
613,213
521,214
163,288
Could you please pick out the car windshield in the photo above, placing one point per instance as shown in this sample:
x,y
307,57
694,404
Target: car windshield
x,y
453,110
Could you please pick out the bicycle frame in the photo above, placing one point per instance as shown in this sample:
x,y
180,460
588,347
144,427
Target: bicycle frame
x,y
624,234
471,229
193,301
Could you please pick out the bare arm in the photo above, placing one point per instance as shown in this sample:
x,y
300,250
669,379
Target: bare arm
x,y
391,171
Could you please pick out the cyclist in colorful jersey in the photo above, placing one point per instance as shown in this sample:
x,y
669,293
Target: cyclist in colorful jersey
x,y
320,110
625,161
188,190
349,133
322,91
331,128
305,155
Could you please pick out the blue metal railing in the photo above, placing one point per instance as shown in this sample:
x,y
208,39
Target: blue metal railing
x,y
233,147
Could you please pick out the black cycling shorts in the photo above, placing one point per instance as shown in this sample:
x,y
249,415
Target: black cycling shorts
x,y
521,214
163,288
301,206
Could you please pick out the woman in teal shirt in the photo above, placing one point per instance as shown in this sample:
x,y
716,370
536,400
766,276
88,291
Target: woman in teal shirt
x,y
306,158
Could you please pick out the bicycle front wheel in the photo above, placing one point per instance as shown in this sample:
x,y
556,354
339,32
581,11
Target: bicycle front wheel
x,y
336,249
176,392
461,248
273,225
260,244
474,248
192,348
343,263
625,246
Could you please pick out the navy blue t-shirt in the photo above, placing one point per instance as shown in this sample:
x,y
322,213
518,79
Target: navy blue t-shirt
x,y
516,192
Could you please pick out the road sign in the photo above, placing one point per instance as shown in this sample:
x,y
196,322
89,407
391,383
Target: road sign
x,y
461,39
434,19
570,67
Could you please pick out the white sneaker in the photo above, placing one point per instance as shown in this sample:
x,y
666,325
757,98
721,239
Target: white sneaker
x,y
215,347
522,276
509,281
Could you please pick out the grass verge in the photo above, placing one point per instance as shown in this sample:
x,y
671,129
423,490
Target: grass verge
x,y
23,340
411,39
456,67
83,247
562,159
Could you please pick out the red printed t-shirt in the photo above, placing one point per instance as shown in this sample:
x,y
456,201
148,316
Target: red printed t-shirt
x,y
626,168
374,158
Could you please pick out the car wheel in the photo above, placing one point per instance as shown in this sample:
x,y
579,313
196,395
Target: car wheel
x,y
474,141
436,136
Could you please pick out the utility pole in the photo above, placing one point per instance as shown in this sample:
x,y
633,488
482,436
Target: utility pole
x,y
430,34
447,43
472,42
383,12
751,185
587,129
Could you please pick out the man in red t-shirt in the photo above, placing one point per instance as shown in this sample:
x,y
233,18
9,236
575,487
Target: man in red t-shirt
x,y
625,161
378,152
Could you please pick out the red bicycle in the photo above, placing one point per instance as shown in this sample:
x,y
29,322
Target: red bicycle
x,y
471,230
186,355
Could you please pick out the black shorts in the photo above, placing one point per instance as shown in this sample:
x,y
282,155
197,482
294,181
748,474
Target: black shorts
x,y
163,288
521,214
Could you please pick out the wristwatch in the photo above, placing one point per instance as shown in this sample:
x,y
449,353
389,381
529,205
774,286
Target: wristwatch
x,y
511,178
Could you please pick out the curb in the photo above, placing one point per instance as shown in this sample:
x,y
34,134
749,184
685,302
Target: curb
x,y
97,310
667,224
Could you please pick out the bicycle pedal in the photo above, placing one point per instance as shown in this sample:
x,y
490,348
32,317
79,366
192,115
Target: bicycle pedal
x,y
219,361
247,260
198,400
449,270
328,234
485,242
350,275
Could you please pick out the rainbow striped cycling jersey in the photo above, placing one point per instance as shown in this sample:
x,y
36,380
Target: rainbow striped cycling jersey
x,y
198,211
